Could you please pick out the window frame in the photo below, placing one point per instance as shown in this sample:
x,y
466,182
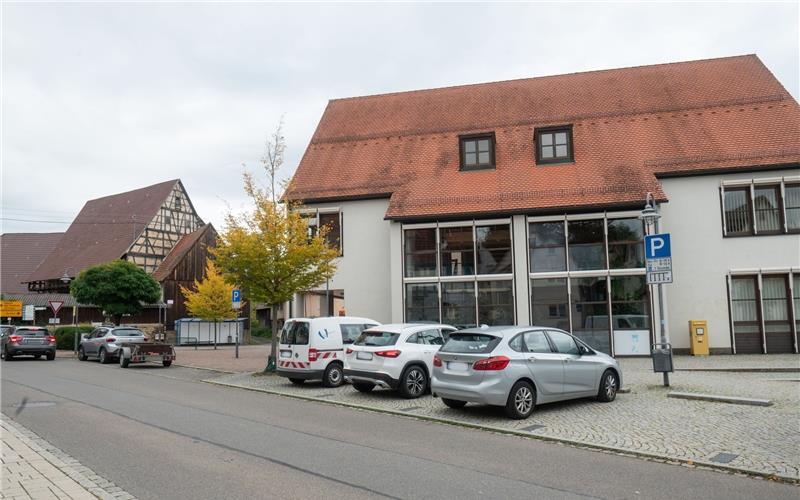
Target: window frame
x,y
784,211
537,142
778,185
463,139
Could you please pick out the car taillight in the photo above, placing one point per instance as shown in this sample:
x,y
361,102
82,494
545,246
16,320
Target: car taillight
x,y
312,354
51,339
349,350
493,363
388,354
14,339
437,361
111,339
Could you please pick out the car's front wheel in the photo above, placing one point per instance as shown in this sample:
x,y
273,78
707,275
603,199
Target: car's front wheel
x,y
413,383
103,356
609,385
521,400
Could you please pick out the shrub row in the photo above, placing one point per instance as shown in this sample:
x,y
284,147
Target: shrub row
x,y
65,335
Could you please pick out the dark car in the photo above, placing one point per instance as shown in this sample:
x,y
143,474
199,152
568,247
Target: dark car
x,y
33,341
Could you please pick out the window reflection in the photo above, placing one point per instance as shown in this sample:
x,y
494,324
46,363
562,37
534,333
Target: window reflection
x,y
586,245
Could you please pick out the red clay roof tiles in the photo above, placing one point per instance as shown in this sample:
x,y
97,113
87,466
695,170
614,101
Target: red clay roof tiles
x,y
629,125
20,255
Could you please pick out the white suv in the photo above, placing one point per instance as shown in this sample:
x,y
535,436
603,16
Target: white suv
x,y
396,356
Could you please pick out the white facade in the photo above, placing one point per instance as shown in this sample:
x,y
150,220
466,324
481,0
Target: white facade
x,y
703,258
373,279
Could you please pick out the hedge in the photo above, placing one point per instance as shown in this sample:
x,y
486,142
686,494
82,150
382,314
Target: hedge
x,y
65,336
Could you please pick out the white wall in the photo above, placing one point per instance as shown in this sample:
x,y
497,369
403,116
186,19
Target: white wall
x,y
701,257
364,269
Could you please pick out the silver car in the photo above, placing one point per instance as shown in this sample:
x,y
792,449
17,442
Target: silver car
x,y
520,367
104,342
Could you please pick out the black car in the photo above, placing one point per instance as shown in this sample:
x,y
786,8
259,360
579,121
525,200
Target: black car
x,y
33,341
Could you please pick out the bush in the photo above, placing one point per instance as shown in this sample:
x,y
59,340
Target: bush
x,y
261,331
65,336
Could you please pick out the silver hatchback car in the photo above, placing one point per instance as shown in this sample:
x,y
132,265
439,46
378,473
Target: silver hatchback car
x,y
520,367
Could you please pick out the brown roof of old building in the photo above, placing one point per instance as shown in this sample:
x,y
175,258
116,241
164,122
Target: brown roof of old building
x,y
20,255
103,230
179,251
629,126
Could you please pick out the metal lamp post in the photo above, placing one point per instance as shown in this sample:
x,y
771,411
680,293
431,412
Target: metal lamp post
x,y
66,279
650,217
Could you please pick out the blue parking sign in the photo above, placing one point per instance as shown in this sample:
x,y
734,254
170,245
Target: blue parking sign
x,y
656,246
237,295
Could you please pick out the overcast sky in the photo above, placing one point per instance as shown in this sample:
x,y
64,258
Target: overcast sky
x,y
101,98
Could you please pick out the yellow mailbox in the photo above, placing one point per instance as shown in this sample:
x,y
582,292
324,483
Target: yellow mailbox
x,y
698,337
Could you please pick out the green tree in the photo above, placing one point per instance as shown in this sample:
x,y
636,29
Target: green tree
x,y
270,253
117,287
211,298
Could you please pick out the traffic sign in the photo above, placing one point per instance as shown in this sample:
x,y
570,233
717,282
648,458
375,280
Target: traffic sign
x,y
658,259
11,308
236,298
55,305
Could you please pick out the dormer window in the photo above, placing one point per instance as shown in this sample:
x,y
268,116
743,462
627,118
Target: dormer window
x,y
477,151
554,145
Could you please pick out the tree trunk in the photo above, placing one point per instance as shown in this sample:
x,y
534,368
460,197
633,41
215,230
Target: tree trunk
x,y
118,319
272,361
215,334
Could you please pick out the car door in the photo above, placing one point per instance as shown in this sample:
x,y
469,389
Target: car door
x,y
546,367
89,342
580,372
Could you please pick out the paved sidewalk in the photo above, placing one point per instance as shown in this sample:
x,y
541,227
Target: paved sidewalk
x,y
757,440
252,358
35,469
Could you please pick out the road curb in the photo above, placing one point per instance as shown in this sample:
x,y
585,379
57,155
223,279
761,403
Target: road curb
x,y
740,370
720,399
528,435
208,369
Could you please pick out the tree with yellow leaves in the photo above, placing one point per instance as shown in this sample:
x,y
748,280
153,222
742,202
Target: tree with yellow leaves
x,y
211,298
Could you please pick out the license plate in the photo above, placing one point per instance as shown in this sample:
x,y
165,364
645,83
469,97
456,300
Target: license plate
x,y
286,354
457,366
34,341
366,356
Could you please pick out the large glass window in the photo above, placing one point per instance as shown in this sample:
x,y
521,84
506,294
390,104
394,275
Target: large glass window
x,y
737,211
586,244
625,247
590,312
792,206
744,309
458,257
775,301
458,304
496,302
422,302
547,246
334,235
420,252
494,249
796,287
629,303
768,210
550,303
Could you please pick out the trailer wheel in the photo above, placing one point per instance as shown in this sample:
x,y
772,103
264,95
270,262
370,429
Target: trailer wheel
x,y
166,362
123,361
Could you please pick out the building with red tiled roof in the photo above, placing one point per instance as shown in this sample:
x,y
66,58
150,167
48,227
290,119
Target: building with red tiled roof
x,y
518,202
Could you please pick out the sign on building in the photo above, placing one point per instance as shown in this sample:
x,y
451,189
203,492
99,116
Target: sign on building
x,y
11,308
236,298
658,258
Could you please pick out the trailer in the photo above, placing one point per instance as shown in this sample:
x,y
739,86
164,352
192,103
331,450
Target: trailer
x,y
143,353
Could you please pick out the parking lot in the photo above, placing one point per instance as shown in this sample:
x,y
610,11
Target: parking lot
x,y
763,440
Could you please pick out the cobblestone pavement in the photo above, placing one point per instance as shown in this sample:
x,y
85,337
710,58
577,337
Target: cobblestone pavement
x,y
35,469
761,440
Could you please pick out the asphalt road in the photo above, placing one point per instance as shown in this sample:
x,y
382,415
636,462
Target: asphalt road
x,y
161,433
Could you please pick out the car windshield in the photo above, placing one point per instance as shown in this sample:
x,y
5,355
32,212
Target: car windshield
x,y
350,333
377,338
31,332
128,332
470,343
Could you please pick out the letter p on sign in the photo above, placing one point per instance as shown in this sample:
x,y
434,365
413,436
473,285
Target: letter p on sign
x,y
656,246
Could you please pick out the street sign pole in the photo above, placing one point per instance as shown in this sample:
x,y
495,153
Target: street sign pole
x,y
658,261
236,303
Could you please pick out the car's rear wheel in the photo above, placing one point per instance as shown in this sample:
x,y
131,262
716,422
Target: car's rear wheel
x,y
521,400
7,356
609,385
413,383
363,386
82,354
103,357
167,362
454,403
123,361
297,381
37,356
333,376
51,356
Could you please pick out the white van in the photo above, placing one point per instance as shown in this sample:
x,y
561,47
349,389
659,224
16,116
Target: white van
x,y
313,348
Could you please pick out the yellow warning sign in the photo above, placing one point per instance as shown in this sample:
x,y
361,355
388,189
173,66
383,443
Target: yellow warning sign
x,y
10,308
